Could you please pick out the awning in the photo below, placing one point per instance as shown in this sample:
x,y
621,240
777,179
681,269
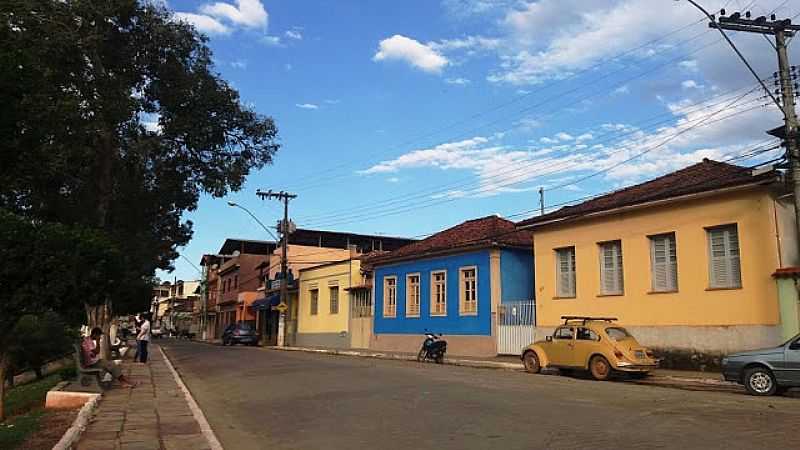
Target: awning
x,y
267,302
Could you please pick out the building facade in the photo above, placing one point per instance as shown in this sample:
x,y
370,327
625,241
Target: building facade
x,y
324,307
453,283
684,261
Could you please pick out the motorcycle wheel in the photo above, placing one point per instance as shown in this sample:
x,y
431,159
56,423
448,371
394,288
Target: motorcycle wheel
x,y
440,358
421,355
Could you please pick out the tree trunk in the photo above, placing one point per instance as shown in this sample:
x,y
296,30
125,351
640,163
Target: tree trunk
x,y
100,316
3,363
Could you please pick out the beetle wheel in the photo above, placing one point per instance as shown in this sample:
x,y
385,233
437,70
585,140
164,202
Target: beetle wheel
x,y
531,362
600,368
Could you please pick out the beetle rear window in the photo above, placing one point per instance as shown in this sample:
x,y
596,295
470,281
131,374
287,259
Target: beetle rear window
x,y
617,333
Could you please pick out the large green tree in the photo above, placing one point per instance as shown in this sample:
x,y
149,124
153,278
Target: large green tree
x,y
49,267
113,118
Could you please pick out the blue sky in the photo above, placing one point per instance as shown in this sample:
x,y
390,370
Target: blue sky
x,y
404,118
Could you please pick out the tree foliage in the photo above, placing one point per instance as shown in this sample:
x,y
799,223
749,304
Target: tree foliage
x,y
113,117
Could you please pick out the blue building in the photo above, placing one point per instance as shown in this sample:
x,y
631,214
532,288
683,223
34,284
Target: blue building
x,y
455,283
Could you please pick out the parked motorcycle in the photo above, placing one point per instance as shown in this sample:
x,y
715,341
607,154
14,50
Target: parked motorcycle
x,y
433,348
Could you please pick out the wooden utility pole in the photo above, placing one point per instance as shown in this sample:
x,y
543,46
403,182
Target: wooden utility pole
x,y
786,74
285,230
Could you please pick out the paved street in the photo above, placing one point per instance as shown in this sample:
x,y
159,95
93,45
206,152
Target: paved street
x,y
257,399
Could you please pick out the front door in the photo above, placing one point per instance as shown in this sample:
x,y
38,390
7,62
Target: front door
x,y
792,363
587,343
559,352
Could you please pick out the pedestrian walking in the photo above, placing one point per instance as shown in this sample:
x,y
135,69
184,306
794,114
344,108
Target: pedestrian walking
x,y
143,338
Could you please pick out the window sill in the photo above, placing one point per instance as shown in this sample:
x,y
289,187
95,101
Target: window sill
x,y
723,288
416,316
564,298
468,314
438,315
622,294
662,292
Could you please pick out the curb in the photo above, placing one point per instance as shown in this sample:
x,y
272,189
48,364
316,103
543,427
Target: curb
x,y
481,364
199,417
74,432
397,357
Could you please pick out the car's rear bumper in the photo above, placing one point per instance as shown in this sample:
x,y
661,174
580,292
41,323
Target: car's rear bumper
x,y
244,339
631,367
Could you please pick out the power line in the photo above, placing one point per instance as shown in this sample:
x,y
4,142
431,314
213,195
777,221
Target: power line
x,y
440,201
425,193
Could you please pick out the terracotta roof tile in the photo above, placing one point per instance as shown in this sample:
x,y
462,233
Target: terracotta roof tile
x,y
486,231
704,176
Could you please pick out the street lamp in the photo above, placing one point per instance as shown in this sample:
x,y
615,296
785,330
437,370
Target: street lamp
x,y
236,205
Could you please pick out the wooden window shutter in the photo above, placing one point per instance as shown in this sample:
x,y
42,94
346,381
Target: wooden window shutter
x,y
663,257
611,277
566,272
724,262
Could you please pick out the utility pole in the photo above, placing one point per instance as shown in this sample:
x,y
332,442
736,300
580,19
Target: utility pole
x,y
541,201
781,29
285,231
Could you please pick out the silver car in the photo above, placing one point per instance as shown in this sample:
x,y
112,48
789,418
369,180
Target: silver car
x,y
768,371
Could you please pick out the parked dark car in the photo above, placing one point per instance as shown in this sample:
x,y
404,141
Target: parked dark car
x,y
241,333
768,371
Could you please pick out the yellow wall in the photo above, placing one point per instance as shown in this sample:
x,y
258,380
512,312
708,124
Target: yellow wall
x,y
304,256
345,274
693,304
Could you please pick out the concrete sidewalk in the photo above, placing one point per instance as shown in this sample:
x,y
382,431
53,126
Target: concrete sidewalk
x,y
498,362
153,416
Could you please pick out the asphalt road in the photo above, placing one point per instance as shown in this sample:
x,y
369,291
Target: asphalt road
x,y
266,399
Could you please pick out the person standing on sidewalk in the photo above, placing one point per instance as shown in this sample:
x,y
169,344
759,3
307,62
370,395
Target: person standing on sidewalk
x,y
143,338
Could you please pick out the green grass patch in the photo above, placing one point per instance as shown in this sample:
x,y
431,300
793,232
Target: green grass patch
x,y
16,430
24,410
27,397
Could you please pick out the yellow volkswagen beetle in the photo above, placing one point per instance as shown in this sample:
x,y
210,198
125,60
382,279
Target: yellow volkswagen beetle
x,y
594,344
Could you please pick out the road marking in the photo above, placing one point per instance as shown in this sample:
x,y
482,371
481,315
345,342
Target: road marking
x,y
213,442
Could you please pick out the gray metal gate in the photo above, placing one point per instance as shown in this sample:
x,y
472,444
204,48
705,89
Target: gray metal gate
x,y
516,322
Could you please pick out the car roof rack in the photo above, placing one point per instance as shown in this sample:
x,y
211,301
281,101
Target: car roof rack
x,y
587,318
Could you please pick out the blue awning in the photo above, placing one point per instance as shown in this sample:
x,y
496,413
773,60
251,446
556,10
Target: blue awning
x,y
267,302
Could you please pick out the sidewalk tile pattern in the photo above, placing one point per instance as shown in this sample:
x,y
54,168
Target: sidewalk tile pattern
x,y
153,416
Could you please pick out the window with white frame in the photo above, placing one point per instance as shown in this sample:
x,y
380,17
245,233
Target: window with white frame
x,y
611,274
412,295
390,297
334,294
565,272
664,263
439,293
314,294
723,250
468,290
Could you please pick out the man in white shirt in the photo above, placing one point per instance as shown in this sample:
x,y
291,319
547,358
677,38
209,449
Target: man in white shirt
x,y
143,338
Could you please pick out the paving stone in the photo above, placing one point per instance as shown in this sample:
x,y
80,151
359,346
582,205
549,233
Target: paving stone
x,y
186,442
97,445
92,435
148,445
179,428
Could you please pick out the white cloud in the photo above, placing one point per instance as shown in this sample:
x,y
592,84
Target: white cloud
x,y
634,155
562,136
689,64
401,48
204,24
247,13
239,64
331,101
393,180
271,41
307,106
624,89
459,81
690,84
294,34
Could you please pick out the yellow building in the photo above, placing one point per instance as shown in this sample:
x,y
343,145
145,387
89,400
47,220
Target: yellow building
x,y
685,261
324,305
